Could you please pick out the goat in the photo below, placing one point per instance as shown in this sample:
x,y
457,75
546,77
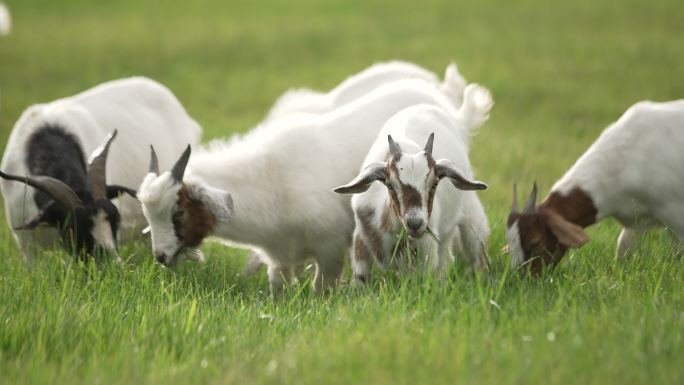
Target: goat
x,y
47,148
303,100
410,197
5,20
270,190
630,173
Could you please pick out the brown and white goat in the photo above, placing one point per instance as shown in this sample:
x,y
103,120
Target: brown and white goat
x,y
631,173
410,195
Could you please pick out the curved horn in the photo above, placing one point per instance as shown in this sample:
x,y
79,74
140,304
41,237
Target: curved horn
x,y
97,169
428,145
514,207
154,162
531,201
394,148
55,188
179,168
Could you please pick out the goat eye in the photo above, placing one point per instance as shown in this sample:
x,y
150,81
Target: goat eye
x,y
389,187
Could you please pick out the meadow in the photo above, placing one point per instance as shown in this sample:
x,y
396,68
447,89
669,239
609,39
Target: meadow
x,y
559,72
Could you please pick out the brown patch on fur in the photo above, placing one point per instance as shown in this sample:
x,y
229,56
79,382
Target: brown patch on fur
x,y
536,237
362,253
194,221
386,222
576,207
372,234
410,197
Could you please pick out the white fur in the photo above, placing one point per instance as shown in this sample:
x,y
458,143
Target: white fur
x,y
5,20
457,216
280,176
142,110
303,100
633,172
515,247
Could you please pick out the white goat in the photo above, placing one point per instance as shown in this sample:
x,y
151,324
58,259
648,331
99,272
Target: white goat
x,y
411,197
271,189
50,142
5,20
303,100
631,173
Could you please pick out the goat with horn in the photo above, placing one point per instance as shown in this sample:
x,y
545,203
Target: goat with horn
x,y
631,173
53,194
410,195
270,189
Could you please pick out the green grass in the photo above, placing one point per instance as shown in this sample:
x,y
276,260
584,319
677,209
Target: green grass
x,y
559,72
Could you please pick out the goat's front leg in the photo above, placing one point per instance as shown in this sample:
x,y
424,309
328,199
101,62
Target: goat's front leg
x,y
438,256
361,259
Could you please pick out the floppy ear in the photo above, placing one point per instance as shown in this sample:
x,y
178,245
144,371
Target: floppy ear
x,y
445,168
568,233
113,191
374,171
219,202
45,217
32,223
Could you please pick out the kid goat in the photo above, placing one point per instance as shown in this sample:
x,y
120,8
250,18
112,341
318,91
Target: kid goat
x,y
271,189
632,173
47,149
410,195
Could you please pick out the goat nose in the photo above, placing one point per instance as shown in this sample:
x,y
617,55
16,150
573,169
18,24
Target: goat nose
x,y
414,223
161,258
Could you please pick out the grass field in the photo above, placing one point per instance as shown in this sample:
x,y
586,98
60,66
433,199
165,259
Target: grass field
x,y
559,73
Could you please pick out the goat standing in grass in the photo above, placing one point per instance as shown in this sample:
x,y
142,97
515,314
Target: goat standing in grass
x,y
271,189
410,196
633,173
62,195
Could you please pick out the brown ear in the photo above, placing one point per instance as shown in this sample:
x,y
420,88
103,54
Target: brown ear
x,y
568,233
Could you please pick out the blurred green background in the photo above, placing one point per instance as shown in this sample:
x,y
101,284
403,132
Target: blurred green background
x,y
559,72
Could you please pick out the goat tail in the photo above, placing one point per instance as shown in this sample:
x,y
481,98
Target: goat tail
x,y
297,100
453,85
477,103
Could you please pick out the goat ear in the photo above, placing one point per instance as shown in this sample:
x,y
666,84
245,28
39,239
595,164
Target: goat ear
x,y
374,172
113,191
33,222
219,202
445,168
568,233
44,217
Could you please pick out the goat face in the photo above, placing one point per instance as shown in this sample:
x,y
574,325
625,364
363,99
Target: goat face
x,y
411,182
537,236
88,222
180,215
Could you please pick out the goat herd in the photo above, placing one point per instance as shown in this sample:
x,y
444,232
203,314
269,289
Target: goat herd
x,y
283,189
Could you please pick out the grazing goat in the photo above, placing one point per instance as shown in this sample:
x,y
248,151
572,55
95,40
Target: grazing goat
x,y
631,173
410,196
270,190
303,100
5,20
47,149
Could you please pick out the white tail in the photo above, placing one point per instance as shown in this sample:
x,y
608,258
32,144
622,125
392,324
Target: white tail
x,y
477,102
453,85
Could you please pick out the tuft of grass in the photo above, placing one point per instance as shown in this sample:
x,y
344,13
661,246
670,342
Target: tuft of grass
x,y
559,73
